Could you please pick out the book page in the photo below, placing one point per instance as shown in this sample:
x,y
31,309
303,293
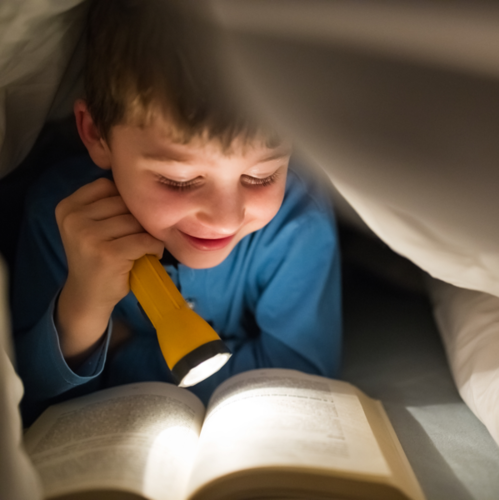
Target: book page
x,y
137,438
284,418
392,449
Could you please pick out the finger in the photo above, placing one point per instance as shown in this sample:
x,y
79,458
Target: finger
x,y
106,208
86,195
94,191
135,246
117,227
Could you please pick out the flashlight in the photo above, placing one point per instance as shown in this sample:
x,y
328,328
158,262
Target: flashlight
x,y
192,349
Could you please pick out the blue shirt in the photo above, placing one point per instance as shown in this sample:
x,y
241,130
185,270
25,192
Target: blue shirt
x,y
275,300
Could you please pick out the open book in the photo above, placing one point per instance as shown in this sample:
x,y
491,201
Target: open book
x,y
266,434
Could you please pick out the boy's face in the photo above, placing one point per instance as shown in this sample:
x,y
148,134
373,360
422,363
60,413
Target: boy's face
x,y
194,197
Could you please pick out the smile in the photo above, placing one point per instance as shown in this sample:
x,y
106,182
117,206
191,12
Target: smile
x,y
207,243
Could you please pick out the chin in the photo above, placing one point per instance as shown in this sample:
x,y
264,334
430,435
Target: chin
x,y
202,264
203,261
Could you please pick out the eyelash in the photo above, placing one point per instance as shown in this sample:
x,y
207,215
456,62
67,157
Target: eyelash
x,y
178,186
266,181
248,180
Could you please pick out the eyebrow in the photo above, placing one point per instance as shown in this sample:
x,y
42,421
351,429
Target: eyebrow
x,y
166,156
180,158
276,156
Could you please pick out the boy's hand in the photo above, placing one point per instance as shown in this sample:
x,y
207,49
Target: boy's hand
x,y
102,239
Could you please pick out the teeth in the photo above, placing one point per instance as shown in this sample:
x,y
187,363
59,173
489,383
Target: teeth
x,y
219,238
216,238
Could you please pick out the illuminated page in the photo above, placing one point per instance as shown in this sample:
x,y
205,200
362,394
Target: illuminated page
x,y
284,419
135,438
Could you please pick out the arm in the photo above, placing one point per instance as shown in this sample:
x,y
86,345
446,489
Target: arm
x,y
469,325
41,270
55,339
102,240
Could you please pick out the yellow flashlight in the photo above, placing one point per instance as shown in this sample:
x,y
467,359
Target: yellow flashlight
x,y
192,349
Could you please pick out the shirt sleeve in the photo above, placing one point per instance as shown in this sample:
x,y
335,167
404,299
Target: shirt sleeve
x,y
40,359
296,290
40,273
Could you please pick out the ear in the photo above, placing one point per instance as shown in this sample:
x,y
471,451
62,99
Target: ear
x,y
89,133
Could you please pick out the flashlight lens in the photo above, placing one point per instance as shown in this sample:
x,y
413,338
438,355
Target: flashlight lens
x,y
205,369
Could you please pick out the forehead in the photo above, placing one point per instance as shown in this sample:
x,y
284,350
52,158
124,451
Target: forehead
x,y
159,139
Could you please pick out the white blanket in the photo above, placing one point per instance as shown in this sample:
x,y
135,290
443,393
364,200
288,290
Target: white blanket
x,y
18,480
37,40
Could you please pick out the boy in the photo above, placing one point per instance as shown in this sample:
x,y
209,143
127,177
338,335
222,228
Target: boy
x,y
172,171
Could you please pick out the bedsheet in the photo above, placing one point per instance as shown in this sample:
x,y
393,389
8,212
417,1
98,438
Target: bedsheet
x,y
393,351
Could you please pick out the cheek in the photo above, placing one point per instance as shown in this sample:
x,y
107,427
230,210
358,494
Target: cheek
x,y
265,203
155,208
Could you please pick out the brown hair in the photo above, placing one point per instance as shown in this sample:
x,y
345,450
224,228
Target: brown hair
x,y
146,57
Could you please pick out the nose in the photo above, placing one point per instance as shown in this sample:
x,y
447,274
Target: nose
x,y
222,211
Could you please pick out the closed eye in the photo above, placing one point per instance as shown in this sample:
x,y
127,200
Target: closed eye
x,y
256,181
180,185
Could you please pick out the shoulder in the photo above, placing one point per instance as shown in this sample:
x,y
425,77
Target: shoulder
x,y
301,235
310,187
60,181
307,208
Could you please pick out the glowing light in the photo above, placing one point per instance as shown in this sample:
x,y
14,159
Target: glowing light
x,y
204,370
169,462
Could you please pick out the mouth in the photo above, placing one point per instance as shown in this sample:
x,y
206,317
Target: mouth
x,y
207,243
